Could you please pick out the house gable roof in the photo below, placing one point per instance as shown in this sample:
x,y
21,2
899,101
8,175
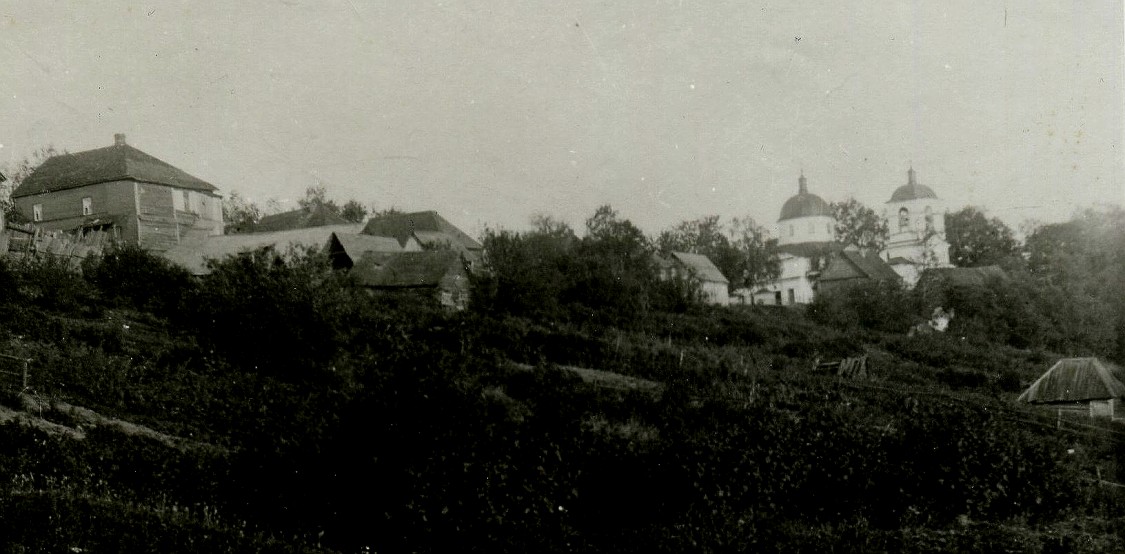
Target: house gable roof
x,y
353,246
428,227
316,216
852,264
701,266
1077,380
102,165
194,255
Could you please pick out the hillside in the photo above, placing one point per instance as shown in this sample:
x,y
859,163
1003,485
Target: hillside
x,y
271,406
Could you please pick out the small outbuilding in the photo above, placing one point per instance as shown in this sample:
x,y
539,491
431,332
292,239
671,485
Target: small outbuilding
x,y
713,285
1079,385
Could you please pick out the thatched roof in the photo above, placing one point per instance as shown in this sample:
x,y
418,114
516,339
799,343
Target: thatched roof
x,y
194,255
112,163
1077,380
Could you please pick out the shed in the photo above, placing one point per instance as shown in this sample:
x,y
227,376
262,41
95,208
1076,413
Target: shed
x,y
1079,384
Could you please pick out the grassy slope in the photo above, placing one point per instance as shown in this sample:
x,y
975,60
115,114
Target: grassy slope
x,y
746,374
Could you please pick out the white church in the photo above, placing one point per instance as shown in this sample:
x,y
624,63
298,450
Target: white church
x,y
807,248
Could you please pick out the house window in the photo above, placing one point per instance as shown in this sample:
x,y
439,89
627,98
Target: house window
x,y
929,219
790,230
87,206
792,297
37,212
903,219
777,297
178,201
828,228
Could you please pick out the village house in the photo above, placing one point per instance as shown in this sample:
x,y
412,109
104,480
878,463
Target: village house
x,y
713,285
124,191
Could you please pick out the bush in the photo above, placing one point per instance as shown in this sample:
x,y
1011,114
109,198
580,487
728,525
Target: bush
x,y
54,283
128,275
879,305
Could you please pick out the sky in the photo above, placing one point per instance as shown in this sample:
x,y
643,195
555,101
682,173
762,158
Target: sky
x,y
668,110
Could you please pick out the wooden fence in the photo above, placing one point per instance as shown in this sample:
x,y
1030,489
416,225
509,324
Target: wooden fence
x,y
14,372
848,368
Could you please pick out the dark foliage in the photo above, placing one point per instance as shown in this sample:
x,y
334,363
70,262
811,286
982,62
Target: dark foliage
x,y
129,276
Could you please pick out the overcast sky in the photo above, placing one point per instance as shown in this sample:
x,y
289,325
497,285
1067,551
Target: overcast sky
x,y
492,111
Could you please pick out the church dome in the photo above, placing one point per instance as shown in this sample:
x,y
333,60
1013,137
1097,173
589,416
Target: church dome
x,y
912,190
804,204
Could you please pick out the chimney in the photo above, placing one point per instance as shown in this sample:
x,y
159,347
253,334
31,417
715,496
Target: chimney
x,y
802,185
910,176
119,139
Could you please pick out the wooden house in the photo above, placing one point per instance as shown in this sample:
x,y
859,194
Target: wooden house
x,y
122,190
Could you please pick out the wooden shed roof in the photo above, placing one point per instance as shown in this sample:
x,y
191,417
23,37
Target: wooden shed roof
x,y
1077,380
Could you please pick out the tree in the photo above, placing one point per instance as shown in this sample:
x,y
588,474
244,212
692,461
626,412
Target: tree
x,y
614,267
860,225
761,263
1085,257
317,197
739,249
239,214
975,240
353,211
16,172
